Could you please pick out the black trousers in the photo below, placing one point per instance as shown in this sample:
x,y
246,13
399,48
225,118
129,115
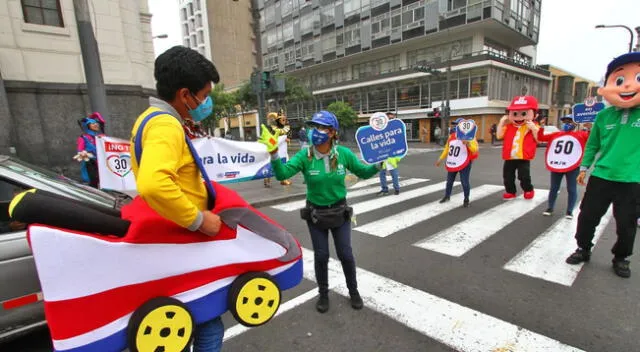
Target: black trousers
x,y
509,175
599,196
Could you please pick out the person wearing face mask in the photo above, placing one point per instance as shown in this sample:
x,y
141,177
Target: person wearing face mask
x,y
564,153
324,166
167,176
92,126
615,138
459,156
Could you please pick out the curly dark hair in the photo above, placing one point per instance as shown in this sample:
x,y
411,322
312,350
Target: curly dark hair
x,y
181,67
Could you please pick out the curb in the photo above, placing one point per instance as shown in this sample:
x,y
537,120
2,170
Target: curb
x,y
276,200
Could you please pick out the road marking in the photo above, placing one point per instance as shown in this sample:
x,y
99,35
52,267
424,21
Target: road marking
x,y
465,235
458,327
376,181
295,205
379,203
545,257
396,222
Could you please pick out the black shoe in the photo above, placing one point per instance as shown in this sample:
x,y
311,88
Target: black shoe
x,y
383,193
356,301
547,212
465,203
322,305
579,256
444,200
621,267
397,191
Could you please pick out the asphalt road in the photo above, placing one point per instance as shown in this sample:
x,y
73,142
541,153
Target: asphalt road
x,y
490,277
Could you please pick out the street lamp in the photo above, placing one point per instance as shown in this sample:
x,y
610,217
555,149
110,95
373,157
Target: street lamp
x,y
161,36
620,26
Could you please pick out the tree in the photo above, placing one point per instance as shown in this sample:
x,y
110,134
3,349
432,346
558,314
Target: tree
x,y
295,92
347,117
223,106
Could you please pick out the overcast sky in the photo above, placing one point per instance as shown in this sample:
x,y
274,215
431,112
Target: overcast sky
x,y
568,38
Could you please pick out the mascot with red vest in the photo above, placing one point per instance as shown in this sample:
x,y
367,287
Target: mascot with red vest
x,y
519,134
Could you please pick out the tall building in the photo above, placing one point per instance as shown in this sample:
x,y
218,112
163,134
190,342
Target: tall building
x,y
365,52
222,31
43,89
566,90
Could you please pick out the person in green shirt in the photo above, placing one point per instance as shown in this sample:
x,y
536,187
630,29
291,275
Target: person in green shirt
x,y
616,176
324,166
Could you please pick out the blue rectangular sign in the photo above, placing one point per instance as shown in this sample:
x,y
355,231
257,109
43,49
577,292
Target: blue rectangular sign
x,y
583,113
376,146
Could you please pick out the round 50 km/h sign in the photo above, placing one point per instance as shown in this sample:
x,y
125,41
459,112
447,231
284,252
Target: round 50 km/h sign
x,y
564,154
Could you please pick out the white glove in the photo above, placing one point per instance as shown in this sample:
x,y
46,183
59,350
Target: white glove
x,y
286,129
83,156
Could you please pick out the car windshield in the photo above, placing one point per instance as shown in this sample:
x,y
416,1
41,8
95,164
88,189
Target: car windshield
x,y
59,183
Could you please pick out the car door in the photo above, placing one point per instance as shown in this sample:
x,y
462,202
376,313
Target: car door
x,y
20,299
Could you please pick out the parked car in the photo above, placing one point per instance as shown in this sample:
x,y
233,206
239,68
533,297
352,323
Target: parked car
x,y
21,308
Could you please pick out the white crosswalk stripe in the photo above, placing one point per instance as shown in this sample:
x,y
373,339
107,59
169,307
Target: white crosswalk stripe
x,y
383,202
295,205
545,257
462,237
396,222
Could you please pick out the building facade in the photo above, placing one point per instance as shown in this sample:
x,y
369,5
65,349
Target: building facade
x,y
566,90
365,52
42,82
222,31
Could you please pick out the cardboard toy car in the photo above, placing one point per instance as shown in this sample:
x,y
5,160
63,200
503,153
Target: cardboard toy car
x,y
146,291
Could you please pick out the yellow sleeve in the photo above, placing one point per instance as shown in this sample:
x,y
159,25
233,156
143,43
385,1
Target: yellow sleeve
x,y
473,146
444,151
162,145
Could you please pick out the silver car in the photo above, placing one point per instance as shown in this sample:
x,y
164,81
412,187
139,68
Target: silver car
x,y
21,308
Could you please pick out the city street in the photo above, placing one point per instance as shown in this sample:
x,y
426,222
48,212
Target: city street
x,y
439,277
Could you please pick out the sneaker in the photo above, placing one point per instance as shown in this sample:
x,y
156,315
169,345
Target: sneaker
x,y
579,256
508,196
356,301
396,192
465,203
547,212
529,194
444,200
621,267
322,305
568,216
383,193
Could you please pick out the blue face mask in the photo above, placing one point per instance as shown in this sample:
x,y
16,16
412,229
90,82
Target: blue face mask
x,y
317,137
203,110
452,130
567,127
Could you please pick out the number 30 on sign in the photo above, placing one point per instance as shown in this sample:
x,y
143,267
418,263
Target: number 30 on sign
x,y
466,130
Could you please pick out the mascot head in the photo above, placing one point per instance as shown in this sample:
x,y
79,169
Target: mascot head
x,y
281,120
622,81
522,109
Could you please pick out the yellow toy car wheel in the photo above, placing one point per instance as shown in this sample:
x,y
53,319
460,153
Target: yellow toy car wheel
x,y
254,298
161,324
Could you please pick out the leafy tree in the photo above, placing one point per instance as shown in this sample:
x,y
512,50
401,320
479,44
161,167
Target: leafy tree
x,y
347,117
294,91
223,105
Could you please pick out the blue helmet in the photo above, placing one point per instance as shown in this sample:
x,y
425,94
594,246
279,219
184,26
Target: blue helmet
x,y
324,118
457,121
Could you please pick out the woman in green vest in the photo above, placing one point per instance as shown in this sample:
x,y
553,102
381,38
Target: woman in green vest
x,y
324,166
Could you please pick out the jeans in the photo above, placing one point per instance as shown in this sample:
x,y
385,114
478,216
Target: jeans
x,y
342,240
208,336
464,179
524,175
394,178
599,195
572,188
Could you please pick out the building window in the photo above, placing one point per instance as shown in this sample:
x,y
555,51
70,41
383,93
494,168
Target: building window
x,y
44,12
329,43
200,37
198,5
352,35
380,26
185,29
306,23
327,15
287,31
286,7
190,7
270,14
185,42
351,7
183,14
199,21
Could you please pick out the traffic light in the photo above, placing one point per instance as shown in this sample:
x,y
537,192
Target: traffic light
x,y
435,113
266,80
426,69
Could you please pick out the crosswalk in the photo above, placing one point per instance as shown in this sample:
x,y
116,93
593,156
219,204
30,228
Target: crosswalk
x,y
542,259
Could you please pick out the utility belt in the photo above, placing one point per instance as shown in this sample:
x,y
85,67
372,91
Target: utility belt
x,y
328,216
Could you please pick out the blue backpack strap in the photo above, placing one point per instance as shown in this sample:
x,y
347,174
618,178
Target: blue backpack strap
x,y
137,141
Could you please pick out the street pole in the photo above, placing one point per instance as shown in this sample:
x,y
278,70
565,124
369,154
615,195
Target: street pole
x,y
90,59
258,44
620,26
447,108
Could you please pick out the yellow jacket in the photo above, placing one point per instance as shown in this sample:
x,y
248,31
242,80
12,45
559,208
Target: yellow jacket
x,y
168,178
393,161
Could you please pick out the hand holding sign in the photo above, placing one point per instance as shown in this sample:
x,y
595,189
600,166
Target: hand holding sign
x,y
269,139
466,130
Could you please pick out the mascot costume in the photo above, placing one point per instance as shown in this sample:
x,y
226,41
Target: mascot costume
x,y
519,133
92,126
116,279
615,178
280,127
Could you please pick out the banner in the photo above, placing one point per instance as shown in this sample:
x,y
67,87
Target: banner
x,y
226,161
